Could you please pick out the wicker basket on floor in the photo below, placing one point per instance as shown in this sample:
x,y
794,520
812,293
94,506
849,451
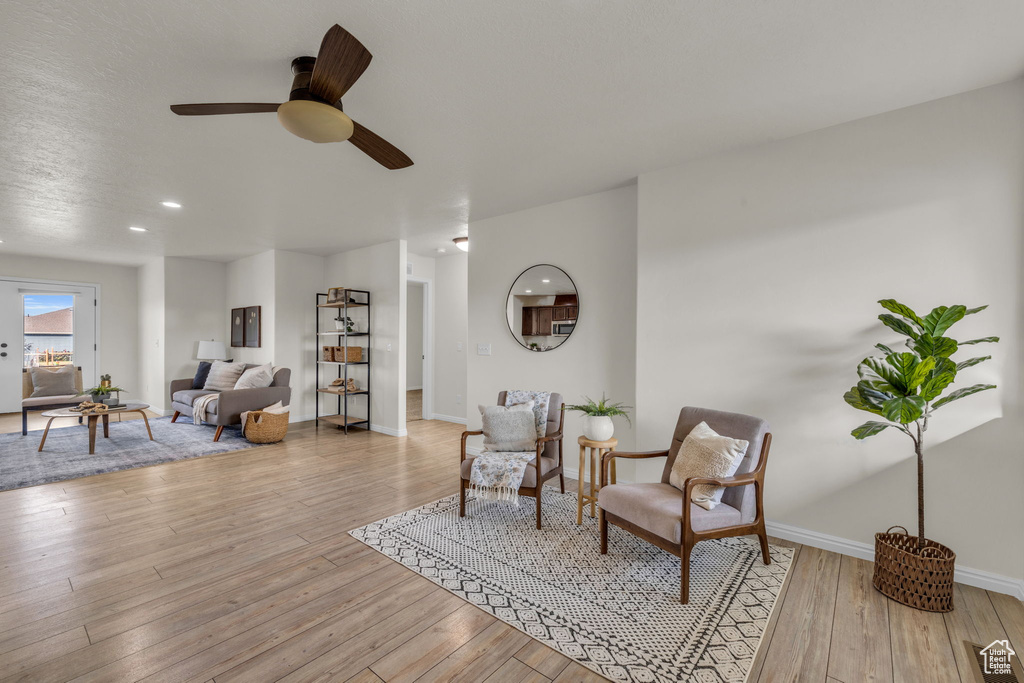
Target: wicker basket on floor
x,y
261,427
922,580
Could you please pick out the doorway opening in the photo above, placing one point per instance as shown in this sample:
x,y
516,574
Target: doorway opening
x,y
45,324
418,358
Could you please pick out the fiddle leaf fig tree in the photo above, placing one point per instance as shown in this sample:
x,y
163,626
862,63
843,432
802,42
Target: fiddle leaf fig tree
x,y
905,388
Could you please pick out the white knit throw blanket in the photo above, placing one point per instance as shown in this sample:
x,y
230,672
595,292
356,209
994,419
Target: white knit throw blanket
x,y
200,406
498,476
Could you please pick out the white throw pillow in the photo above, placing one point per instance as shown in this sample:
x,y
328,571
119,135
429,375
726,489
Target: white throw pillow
x,y
256,378
223,376
706,453
510,428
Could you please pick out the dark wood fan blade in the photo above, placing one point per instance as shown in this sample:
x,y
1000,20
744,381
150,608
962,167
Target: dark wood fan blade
x,y
379,149
341,61
211,109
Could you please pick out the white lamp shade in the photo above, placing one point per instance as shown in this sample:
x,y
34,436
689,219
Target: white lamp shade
x,y
211,350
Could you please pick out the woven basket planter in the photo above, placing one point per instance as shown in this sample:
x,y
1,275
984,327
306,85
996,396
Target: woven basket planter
x,y
261,427
355,354
922,580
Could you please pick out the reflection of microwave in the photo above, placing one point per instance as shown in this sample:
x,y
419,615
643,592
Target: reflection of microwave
x,y
562,329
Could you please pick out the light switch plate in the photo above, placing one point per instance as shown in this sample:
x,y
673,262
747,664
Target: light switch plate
x,y
458,346
483,349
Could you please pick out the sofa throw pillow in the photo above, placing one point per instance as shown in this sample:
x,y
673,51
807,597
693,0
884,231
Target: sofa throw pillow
x,y
59,382
199,381
706,453
223,375
510,428
256,378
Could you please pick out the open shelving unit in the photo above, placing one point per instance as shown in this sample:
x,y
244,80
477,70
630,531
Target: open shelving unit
x,y
347,415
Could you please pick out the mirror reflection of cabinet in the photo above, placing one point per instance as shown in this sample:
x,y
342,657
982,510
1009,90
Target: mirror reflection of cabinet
x,y
542,308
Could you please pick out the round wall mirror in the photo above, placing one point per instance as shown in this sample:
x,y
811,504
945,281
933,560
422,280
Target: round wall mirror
x,y
542,307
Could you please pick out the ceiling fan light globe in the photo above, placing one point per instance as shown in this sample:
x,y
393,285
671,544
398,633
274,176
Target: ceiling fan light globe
x,y
315,121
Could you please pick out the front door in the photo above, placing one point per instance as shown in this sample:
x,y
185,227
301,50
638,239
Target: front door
x,y
45,324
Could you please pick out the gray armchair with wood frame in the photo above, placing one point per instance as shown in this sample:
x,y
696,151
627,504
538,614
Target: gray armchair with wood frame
x,y
663,515
546,465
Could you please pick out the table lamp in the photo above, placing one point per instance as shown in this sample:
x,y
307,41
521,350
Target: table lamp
x,y
211,350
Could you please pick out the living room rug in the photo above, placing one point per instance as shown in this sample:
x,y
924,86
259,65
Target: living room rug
x,y
617,614
66,452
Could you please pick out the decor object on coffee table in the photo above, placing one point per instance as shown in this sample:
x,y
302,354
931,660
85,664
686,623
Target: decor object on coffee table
x,y
546,464
94,413
596,450
665,516
231,403
46,399
103,393
597,417
906,388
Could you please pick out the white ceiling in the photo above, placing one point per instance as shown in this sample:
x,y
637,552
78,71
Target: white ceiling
x,y
502,106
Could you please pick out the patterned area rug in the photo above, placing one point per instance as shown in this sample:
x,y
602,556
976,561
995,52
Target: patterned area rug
x,y
618,614
66,452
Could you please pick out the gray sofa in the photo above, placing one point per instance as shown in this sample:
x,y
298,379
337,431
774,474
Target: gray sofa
x,y
228,408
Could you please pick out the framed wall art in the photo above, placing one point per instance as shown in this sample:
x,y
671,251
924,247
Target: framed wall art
x,y
253,329
237,327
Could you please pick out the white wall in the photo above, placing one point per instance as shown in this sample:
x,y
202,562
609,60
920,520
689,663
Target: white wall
x,y
119,311
451,336
194,309
758,276
298,278
251,281
381,270
414,337
593,239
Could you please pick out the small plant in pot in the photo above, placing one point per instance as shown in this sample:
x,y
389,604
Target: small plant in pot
x,y
906,388
343,322
104,393
597,417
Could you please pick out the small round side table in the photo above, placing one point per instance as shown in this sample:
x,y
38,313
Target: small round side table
x,y
595,449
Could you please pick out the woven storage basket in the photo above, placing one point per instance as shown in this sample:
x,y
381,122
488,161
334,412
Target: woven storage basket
x,y
261,427
355,354
328,353
922,580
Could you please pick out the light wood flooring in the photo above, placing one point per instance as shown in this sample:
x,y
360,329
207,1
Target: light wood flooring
x,y
414,405
238,567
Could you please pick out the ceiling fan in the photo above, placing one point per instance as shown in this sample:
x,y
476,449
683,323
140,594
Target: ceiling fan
x,y
313,110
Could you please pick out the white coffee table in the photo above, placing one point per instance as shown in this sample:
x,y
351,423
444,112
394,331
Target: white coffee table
x,y
130,407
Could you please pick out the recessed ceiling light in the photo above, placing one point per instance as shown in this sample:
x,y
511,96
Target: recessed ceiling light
x,y
441,250
137,229
171,205
462,243
529,291
545,280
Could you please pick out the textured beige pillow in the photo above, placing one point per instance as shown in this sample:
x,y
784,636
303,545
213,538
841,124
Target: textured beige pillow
x,y
59,382
511,428
706,453
223,376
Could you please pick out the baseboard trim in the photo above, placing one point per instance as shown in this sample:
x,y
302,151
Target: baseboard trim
x,y
978,578
388,430
414,388
448,418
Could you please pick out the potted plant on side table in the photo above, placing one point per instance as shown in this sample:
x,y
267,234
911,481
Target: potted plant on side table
x,y
597,417
906,388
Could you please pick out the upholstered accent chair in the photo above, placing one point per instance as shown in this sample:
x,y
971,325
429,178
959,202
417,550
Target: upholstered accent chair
x,y
228,408
663,515
547,464
39,403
